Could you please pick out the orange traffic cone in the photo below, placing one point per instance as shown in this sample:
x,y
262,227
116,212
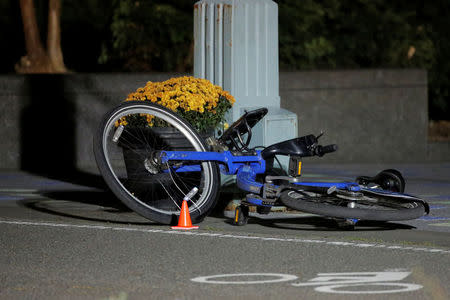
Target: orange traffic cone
x,y
184,222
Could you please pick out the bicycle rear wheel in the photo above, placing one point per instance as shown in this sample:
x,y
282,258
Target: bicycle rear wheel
x,y
124,146
362,206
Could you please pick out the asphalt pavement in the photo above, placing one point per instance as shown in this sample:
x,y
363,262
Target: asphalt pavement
x,y
69,238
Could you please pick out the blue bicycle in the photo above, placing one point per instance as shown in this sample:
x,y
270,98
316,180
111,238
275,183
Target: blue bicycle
x,y
151,169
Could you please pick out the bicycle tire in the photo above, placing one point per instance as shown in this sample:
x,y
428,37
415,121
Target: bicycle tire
x,y
380,208
153,194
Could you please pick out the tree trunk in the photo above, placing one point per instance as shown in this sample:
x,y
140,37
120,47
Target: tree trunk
x,y
54,36
37,60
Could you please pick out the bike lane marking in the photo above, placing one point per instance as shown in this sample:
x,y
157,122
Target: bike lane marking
x,y
10,198
440,224
230,236
335,283
398,287
216,278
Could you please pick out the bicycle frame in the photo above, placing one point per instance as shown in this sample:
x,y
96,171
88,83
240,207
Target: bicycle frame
x,y
230,163
246,167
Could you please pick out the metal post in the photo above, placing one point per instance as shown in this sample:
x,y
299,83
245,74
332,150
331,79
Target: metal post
x,y
236,47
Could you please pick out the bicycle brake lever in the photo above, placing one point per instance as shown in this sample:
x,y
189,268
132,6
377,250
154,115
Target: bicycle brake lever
x,y
321,133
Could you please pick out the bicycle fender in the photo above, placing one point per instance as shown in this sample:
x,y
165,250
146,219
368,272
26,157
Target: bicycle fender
x,y
397,196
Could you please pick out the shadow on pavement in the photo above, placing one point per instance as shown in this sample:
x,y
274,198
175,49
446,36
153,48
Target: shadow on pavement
x,y
103,206
96,206
317,223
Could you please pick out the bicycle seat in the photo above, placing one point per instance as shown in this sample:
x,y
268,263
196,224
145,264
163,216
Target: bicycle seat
x,y
301,146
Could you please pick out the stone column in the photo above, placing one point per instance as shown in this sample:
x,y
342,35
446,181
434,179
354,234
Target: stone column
x,y
236,47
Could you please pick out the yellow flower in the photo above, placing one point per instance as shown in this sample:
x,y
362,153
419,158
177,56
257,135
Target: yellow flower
x,y
185,94
121,121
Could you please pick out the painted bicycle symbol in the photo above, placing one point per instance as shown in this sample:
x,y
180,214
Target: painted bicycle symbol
x,y
337,283
361,283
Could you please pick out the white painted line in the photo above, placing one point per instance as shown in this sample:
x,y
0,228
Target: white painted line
x,y
231,236
31,191
400,288
278,278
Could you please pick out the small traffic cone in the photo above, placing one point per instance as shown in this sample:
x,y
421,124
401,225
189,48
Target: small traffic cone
x,y
184,222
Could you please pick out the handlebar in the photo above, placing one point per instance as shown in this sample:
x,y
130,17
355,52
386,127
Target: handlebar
x,y
321,150
301,147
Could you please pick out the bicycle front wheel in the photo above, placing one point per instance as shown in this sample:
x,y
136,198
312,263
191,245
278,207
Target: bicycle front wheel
x,y
124,146
364,206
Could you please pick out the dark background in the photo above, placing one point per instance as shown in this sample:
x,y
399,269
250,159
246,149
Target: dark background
x,y
146,36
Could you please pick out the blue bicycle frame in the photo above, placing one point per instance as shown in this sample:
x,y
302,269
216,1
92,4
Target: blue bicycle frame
x,y
245,167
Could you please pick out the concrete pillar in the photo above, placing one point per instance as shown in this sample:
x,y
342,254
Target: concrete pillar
x,y
236,47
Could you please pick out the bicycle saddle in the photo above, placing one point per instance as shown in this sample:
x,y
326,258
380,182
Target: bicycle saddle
x,y
301,146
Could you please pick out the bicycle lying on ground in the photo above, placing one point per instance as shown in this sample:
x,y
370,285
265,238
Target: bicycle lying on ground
x,y
152,169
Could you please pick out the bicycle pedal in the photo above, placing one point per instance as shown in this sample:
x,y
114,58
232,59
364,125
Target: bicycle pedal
x,y
259,201
295,166
241,215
